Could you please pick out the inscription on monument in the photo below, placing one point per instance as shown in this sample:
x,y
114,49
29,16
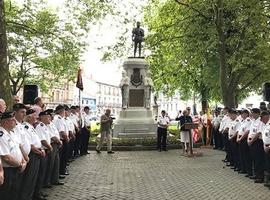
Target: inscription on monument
x,y
136,98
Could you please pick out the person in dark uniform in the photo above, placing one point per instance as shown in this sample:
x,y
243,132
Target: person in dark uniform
x,y
185,118
12,158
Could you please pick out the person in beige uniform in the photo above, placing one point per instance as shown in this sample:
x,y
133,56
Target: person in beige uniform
x,y
106,131
12,158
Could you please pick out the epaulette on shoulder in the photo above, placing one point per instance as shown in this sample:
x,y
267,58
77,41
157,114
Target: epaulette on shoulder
x,y
41,124
237,120
26,126
1,133
248,119
59,117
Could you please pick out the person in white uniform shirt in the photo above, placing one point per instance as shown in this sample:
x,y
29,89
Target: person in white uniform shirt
x,y
216,134
62,128
11,156
76,121
30,176
86,119
223,129
163,123
234,126
56,144
45,137
244,153
71,133
22,138
266,145
256,144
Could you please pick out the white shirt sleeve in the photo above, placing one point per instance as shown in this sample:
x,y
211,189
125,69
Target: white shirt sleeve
x,y
4,148
59,125
40,132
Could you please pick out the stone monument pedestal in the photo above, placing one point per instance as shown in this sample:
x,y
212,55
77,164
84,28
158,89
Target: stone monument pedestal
x,y
136,118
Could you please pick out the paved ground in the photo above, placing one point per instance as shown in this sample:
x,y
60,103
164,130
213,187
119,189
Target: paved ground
x,y
148,175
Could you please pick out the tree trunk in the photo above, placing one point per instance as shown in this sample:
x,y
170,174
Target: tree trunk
x,y
5,89
227,92
204,96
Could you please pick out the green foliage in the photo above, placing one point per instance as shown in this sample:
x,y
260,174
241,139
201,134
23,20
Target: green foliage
x,y
45,44
185,46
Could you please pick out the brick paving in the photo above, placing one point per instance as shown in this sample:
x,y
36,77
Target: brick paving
x,y
134,175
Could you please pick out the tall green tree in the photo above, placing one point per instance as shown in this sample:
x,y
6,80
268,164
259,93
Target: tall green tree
x,y
5,91
215,48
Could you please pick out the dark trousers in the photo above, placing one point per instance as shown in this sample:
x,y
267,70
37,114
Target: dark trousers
x,y
204,132
85,135
10,189
71,145
161,138
30,176
55,164
41,175
267,167
235,153
52,156
257,153
245,157
77,143
217,138
63,157
228,148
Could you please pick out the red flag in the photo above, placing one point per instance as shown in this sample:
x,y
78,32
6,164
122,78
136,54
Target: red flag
x,y
79,83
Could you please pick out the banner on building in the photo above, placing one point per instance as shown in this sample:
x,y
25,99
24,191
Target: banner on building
x,y
79,83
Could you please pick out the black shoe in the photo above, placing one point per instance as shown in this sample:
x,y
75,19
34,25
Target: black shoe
x,y
98,151
252,177
258,181
87,152
43,194
110,152
61,177
39,198
242,172
64,174
267,184
47,186
164,149
58,183
224,160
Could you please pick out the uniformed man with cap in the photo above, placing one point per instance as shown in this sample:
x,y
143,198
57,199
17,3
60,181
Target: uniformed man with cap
x,y
224,128
30,175
256,144
45,137
62,128
76,122
56,144
244,152
71,133
12,158
266,144
22,138
234,126
86,119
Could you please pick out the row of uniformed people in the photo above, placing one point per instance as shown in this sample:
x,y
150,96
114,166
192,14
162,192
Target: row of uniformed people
x,y
33,154
246,138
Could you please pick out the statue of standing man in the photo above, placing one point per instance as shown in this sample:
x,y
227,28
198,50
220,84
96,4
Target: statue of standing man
x,y
137,38
125,89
